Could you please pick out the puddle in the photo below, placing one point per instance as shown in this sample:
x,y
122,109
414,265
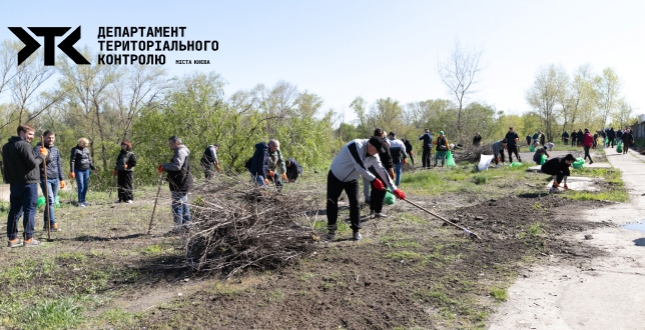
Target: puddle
x,y
635,226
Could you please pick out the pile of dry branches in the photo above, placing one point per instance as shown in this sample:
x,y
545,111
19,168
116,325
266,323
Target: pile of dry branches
x,y
237,225
472,153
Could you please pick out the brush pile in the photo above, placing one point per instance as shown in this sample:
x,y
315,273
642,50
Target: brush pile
x,y
237,225
472,153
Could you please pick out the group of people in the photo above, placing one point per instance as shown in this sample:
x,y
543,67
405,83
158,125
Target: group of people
x,y
268,165
25,167
441,146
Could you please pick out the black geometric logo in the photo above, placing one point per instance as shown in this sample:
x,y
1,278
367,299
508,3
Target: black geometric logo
x,y
50,34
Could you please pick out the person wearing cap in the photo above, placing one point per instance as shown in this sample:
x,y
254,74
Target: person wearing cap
x,y
125,163
353,162
443,146
374,197
398,151
427,147
558,167
511,144
587,143
209,160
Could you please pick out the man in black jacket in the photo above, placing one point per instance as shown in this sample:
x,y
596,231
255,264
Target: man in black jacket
x,y
558,167
612,137
565,138
22,174
511,145
209,160
579,137
294,169
54,177
408,149
427,148
376,197
180,180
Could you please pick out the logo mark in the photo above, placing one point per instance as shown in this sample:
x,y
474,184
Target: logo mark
x,y
50,34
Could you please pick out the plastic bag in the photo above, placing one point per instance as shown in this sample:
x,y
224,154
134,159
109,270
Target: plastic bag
x,y
579,163
619,147
450,161
484,162
531,148
41,201
543,159
514,164
389,198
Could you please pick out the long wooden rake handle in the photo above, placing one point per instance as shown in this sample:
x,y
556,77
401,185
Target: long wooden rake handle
x,y
155,206
444,219
49,237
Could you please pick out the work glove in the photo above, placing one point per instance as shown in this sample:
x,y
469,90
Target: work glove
x,y
392,174
72,175
160,169
266,182
405,162
378,184
44,152
284,176
411,153
217,167
271,174
399,194
114,172
62,184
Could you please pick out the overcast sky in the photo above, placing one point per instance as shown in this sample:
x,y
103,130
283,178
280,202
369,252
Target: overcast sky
x,y
374,49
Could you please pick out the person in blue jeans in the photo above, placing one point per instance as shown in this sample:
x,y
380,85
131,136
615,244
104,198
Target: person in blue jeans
x,y
259,164
54,177
180,180
399,154
20,168
80,164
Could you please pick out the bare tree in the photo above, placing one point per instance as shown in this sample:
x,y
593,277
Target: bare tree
x,y
7,63
624,114
459,73
608,87
542,96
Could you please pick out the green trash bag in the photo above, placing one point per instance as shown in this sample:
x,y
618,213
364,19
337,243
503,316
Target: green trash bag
x,y
579,163
389,198
606,141
543,159
619,148
450,161
41,201
514,164
531,148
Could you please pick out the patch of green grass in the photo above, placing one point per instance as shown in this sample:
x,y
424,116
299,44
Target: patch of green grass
x,y
61,313
404,255
614,195
120,319
343,227
76,256
499,294
480,179
152,249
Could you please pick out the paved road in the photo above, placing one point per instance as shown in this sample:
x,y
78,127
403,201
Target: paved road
x,y
601,293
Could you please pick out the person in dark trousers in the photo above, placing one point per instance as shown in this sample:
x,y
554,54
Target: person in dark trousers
x,y
22,174
376,197
565,138
443,146
542,139
511,144
628,139
260,165
398,152
180,181
353,162
54,177
595,141
619,135
80,164
528,140
277,168
293,170
603,136
574,137
477,139
498,151
612,137
408,148
125,163
536,136
579,137
587,143
209,161
537,156
558,167
427,147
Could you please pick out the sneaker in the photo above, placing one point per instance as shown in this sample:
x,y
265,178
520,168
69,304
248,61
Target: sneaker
x,y
357,236
553,189
30,242
380,215
590,162
81,205
129,201
15,242
331,236
53,227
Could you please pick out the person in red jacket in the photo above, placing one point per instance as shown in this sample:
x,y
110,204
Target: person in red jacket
x,y
587,143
